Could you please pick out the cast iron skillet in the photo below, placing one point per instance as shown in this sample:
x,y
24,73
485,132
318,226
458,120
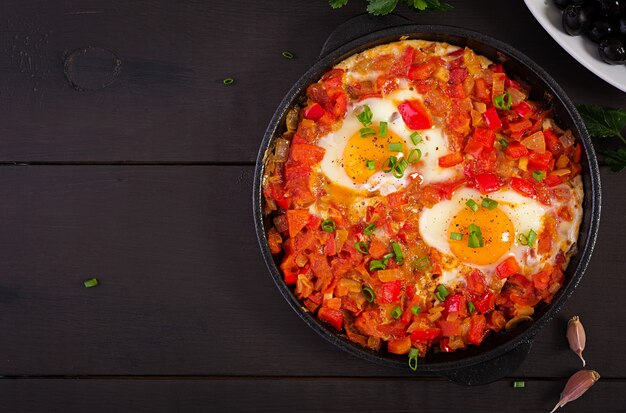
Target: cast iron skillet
x,y
500,354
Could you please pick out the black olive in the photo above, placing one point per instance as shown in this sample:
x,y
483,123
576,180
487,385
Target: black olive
x,y
621,26
612,51
600,30
612,8
561,4
575,20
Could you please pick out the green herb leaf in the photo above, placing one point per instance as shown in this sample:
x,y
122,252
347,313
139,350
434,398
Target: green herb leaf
x,y
616,159
428,5
381,7
603,122
335,4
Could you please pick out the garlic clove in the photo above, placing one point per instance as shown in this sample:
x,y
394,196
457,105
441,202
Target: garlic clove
x,y
576,386
576,337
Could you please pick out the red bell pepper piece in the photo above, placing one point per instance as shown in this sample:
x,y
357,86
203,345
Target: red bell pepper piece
x,y
296,220
415,114
340,105
425,334
455,304
487,182
524,187
539,161
522,109
484,303
486,137
451,160
449,328
476,282
477,329
473,147
507,268
492,119
552,140
330,248
389,292
516,150
332,317
541,280
314,111
553,180
423,71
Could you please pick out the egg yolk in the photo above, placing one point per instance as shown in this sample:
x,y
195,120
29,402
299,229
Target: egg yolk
x,y
373,150
497,232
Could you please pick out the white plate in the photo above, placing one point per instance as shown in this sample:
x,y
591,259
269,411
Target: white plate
x,y
581,48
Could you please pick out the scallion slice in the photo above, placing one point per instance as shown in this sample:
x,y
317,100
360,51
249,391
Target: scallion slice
x,y
456,236
397,252
503,101
489,203
396,312
228,81
371,165
369,230
369,294
361,247
421,263
413,355
532,237
416,309
377,265
328,225
503,142
471,307
441,289
386,257
416,138
395,147
92,282
390,164
471,204
365,117
414,156
473,241
538,175
367,132
382,129
288,55
519,384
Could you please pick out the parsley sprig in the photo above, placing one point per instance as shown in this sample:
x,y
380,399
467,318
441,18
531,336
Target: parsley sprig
x,y
381,7
605,122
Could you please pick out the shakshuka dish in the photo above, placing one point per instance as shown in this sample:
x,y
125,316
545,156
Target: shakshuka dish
x,y
420,200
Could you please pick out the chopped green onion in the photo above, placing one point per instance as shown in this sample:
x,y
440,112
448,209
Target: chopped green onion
x,y
386,257
471,204
503,142
473,228
395,147
416,309
399,168
439,297
365,117
361,247
92,282
503,101
371,165
441,289
489,203
287,55
471,307
473,241
456,236
328,225
421,263
377,265
414,156
396,312
416,138
382,129
369,294
538,175
523,239
397,252
228,81
390,164
532,237
413,354
519,384
369,230
367,132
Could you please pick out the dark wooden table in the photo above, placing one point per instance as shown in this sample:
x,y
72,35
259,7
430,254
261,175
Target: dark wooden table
x,y
125,158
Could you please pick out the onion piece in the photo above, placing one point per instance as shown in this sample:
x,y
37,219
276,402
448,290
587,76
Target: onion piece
x,y
535,142
512,323
281,151
517,96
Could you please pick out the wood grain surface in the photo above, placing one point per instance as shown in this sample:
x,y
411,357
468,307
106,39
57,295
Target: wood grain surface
x,y
124,157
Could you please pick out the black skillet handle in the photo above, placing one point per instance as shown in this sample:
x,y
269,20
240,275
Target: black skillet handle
x,y
359,26
491,370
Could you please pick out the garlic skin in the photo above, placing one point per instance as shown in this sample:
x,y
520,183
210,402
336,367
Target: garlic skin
x,y
576,386
576,337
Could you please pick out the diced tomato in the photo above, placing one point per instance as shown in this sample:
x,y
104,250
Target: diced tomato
x,y
274,240
335,75
487,182
481,90
522,109
516,150
577,153
477,329
425,334
340,104
314,222
397,198
332,317
399,346
377,248
296,220
519,127
446,189
330,249
492,119
389,292
497,68
552,141
484,303
541,280
486,137
306,154
457,75
449,328
552,180
423,71
524,187
415,114
456,304
476,282
401,68
450,160
507,267
539,161
473,148
314,111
